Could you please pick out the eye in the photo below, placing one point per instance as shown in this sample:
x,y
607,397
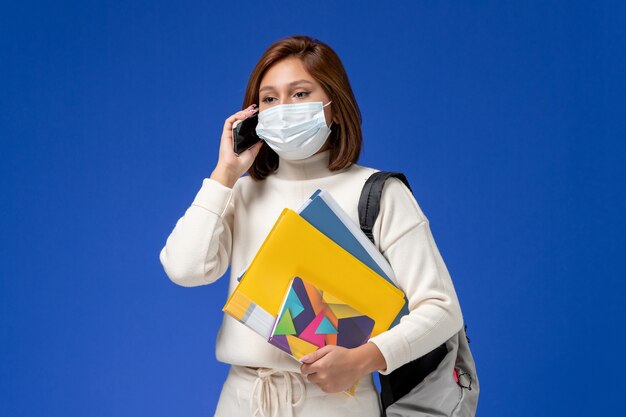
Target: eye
x,y
268,99
302,94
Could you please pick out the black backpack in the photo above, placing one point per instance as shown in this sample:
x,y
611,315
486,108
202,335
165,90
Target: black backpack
x,y
442,382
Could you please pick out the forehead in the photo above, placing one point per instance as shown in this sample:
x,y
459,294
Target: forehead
x,y
284,72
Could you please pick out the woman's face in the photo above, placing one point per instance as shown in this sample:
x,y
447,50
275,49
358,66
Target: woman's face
x,y
288,82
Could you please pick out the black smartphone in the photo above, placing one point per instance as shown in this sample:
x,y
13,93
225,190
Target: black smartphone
x,y
244,134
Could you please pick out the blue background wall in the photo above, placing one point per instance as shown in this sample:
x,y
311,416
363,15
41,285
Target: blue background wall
x,y
507,117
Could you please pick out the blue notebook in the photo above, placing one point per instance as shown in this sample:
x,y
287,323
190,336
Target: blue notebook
x,y
323,212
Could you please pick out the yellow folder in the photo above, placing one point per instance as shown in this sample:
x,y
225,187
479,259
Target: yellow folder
x,y
295,248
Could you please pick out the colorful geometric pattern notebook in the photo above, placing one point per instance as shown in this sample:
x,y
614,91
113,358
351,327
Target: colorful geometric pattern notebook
x,y
311,318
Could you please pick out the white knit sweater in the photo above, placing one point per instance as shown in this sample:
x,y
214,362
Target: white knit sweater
x,y
226,226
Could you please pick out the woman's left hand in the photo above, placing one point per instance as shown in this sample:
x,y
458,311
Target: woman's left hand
x,y
335,368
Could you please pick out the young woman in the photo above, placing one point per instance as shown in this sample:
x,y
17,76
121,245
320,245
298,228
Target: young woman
x,y
311,126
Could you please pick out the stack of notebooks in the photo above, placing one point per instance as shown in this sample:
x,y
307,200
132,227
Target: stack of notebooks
x,y
317,280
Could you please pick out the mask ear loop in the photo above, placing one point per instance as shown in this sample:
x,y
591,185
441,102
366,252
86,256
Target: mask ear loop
x,y
331,122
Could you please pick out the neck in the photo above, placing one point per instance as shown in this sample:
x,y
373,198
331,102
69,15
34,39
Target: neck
x,y
315,166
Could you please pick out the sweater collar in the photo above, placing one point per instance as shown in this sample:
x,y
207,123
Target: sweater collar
x,y
315,166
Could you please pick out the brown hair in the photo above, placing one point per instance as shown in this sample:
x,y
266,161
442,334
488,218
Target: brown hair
x,y
326,68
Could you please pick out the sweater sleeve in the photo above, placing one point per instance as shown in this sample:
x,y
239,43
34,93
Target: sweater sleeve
x,y
403,234
197,251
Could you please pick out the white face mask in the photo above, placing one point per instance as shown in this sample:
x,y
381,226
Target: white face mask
x,y
294,131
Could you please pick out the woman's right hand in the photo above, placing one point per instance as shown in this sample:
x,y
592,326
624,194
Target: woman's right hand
x,y
231,166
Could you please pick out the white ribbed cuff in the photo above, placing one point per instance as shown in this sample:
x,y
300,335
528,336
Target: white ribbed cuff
x,y
394,347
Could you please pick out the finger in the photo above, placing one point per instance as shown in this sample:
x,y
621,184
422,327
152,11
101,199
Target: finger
x,y
240,115
305,369
312,368
314,378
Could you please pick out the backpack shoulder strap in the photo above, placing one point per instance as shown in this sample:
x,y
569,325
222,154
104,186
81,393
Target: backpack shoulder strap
x,y
369,202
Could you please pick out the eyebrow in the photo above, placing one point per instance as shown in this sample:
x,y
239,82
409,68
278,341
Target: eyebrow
x,y
291,84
